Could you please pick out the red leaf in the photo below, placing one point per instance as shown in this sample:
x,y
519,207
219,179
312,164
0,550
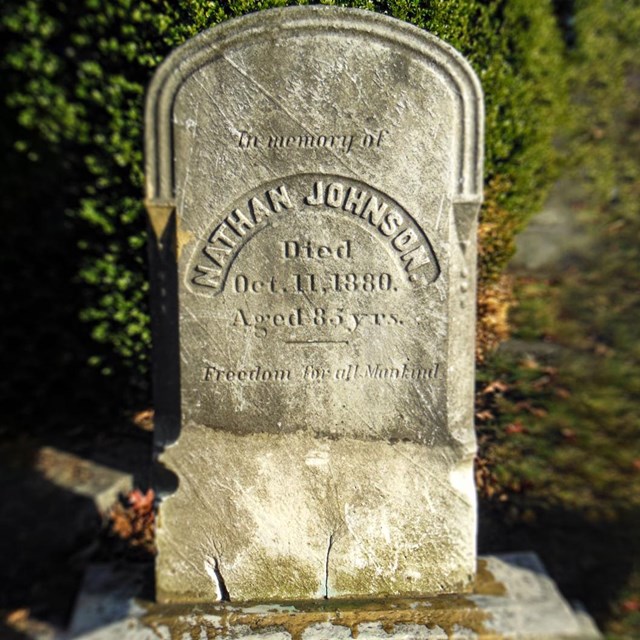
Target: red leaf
x,y
515,427
142,502
631,604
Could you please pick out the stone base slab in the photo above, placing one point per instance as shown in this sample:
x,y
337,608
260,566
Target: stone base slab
x,y
513,598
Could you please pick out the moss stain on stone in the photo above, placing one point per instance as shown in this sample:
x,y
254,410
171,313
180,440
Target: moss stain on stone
x,y
292,576
486,584
397,583
450,613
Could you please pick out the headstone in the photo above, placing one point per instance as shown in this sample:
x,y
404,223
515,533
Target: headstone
x,y
314,177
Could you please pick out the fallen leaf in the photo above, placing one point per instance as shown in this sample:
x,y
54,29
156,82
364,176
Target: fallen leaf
x,y
142,502
541,383
135,523
497,386
144,419
631,604
530,363
121,523
538,412
614,227
17,616
515,427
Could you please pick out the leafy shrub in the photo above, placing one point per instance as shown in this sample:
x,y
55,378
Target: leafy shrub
x,y
76,74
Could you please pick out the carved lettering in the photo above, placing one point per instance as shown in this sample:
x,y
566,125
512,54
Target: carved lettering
x,y
355,201
222,245
392,222
370,209
279,198
409,242
207,277
258,210
317,283
374,211
317,195
220,236
252,374
239,222
404,372
259,323
343,142
217,255
335,194
310,250
346,372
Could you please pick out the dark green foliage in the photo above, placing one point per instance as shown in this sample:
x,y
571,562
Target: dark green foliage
x,y
76,74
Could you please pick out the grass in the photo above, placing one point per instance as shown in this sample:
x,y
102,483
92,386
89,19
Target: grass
x,y
559,416
560,454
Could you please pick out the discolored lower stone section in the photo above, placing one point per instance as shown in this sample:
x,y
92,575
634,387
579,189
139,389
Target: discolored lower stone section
x,y
513,598
285,517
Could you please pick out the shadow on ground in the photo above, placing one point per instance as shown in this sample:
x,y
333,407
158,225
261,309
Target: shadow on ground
x,y
53,526
591,562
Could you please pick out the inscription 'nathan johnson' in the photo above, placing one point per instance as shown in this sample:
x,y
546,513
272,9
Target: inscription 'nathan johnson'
x,y
366,206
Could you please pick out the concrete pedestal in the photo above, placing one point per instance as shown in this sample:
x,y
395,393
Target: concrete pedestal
x,y
513,598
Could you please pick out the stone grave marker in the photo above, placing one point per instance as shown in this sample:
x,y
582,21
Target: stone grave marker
x,y
314,177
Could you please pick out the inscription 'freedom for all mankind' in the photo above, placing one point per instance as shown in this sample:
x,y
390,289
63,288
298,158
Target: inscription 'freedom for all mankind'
x,y
348,373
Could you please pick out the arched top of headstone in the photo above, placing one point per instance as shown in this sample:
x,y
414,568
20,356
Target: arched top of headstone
x,y
217,43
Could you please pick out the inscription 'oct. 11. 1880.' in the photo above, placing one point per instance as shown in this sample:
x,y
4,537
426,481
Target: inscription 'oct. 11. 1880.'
x,y
367,207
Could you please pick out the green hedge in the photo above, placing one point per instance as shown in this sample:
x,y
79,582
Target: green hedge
x,y
76,72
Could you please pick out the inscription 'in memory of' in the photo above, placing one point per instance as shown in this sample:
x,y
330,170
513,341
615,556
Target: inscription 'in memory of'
x,y
367,206
343,142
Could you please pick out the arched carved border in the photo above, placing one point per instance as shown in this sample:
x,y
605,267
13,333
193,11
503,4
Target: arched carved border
x,y
212,44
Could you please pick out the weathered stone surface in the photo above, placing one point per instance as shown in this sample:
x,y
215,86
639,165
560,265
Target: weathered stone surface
x,y
513,597
314,176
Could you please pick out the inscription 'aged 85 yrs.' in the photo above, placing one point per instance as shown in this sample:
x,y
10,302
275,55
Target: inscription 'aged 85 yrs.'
x,y
313,177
